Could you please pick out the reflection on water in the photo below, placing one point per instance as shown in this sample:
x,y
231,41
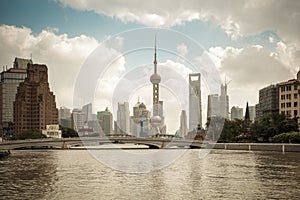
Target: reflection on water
x,y
222,174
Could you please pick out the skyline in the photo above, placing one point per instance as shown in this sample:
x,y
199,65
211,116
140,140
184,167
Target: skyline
x,y
253,51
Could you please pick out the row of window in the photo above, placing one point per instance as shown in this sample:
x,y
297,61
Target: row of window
x,y
288,105
288,96
288,88
289,112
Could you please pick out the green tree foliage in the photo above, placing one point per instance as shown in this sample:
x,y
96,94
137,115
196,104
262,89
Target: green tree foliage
x,y
30,134
291,137
68,132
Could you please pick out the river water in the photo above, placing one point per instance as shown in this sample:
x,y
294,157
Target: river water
x,y
222,174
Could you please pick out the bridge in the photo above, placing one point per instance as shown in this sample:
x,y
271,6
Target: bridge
x,y
66,143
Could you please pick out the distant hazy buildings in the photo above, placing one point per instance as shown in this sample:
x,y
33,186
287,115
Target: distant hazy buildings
x,y
123,119
183,124
35,105
236,113
77,119
195,110
64,117
105,119
268,101
9,82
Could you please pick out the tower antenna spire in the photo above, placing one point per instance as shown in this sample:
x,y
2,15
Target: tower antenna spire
x,y
155,61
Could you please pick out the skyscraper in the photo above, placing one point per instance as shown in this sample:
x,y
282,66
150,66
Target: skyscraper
x,y
213,105
105,119
195,110
183,124
252,113
87,110
64,117
35,105
77,119
9,82
268,101
224,101
140,121
123,119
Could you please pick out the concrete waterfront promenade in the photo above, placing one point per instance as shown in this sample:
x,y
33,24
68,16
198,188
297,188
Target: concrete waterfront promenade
x,y
280,147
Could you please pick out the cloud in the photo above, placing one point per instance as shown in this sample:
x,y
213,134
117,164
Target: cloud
x,y
182,49
250,69
62,54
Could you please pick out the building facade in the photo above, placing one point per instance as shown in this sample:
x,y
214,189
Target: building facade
x,y
64,117
140,121
236,113
183,124
9,82
224,102
268,101
195,110
123,119
213,105
88,112
77,119
105,119
35,105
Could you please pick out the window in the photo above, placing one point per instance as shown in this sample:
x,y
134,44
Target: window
x,y
288,105
295,87
283,97
288,88
282,89
288,113
289,96
283,112
295,104
295,96
282,105
295,113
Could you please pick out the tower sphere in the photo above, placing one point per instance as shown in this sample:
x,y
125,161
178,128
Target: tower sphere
x,y
155,119
155,78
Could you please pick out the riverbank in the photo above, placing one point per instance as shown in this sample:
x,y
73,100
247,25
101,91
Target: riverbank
x,y
284,147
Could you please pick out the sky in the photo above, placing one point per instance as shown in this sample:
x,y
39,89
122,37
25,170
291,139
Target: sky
x,y
102,51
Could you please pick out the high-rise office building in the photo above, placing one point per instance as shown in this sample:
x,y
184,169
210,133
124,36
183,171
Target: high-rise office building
x,y
252,113
213,105
105,119
268,101
123,119
140,121
35,105
236,113
9,82
224,102
195,110
77,119
87,110
64,117
183,124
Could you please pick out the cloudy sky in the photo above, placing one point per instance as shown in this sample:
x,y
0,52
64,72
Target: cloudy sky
x,y
253,43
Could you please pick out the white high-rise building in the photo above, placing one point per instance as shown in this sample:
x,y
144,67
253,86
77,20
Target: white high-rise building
x,y
183,124
87,110
252,113
195,110
77,119
123,119
213,105
224,102
236,113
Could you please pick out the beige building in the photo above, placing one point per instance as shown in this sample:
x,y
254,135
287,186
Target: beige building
x,y
52,131
289,101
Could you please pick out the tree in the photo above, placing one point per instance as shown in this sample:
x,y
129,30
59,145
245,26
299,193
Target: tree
x,y
30,134
68,132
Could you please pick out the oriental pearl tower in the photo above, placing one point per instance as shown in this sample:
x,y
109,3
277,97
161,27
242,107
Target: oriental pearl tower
x,y
156,119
